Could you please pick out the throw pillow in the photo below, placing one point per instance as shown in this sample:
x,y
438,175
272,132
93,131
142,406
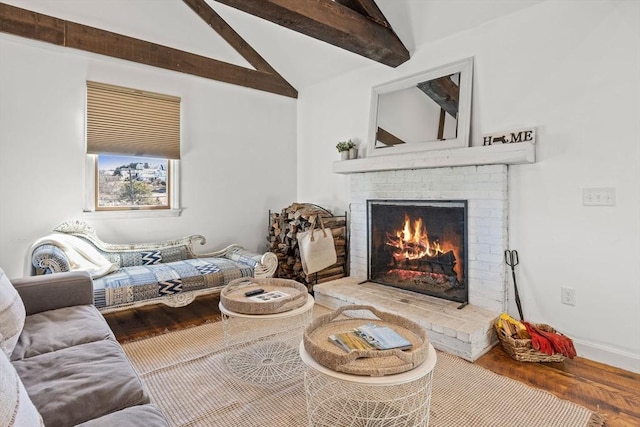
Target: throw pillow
x,y
16,408
12,314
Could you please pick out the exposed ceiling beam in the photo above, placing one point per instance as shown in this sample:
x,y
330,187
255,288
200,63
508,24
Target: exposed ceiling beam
x,y
33,25
444,91
368,8
387,138
333,23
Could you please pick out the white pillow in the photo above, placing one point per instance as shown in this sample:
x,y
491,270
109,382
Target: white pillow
x,y
12,315
16,408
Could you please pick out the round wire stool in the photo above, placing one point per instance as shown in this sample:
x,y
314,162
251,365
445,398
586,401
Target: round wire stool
x,y
263,348
335,399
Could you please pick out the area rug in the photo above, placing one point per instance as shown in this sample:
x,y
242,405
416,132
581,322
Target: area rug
x,y
186,375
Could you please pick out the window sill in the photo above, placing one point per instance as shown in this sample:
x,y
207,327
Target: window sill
x,y
129,214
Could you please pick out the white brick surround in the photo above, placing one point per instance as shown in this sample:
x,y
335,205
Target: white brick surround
x,y
485,189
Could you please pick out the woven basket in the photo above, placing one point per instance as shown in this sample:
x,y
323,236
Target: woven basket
x,y
364,362
233,296
522,350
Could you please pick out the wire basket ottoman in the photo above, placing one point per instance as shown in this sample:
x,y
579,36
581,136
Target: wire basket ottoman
x,y
263,348
336,399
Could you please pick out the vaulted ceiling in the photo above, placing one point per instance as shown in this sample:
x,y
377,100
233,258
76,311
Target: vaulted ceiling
x,y
354,25
328,38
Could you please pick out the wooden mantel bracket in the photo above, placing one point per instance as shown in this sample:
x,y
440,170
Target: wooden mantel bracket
x,y
353,27
37,26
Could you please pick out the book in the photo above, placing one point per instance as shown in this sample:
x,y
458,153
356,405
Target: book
x,y
350,340
269,296
383,337
370,337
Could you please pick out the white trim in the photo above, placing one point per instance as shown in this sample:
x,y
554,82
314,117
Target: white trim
x,y
608,355
507,154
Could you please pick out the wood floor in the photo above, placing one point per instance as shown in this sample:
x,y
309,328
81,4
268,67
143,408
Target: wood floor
x,y
601,388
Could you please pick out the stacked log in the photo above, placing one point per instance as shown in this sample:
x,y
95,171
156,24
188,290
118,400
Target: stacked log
x,y
282,241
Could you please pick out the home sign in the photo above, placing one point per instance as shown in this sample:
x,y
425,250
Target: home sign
x,y
510,137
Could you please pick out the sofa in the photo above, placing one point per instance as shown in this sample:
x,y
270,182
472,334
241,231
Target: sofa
x,y
126,275
60,364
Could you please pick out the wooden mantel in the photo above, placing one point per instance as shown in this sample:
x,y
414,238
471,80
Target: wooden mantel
x,y
509,154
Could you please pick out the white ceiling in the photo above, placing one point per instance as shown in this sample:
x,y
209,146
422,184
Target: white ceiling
x,y
301,60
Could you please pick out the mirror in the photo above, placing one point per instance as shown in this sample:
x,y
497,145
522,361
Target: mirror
x,y
425,111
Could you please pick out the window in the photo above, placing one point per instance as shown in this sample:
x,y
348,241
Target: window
x,y
133,143
128,182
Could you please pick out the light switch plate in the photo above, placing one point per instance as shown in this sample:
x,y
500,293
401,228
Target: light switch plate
x,y
605,196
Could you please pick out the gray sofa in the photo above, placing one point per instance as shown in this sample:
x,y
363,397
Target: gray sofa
x,y
67,358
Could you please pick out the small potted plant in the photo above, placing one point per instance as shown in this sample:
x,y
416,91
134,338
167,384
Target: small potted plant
x,y
344,147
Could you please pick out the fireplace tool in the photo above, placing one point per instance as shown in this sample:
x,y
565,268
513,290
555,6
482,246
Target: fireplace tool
x,y
511,258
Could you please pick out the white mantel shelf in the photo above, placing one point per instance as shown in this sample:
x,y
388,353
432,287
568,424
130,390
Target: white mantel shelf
x,y
504,154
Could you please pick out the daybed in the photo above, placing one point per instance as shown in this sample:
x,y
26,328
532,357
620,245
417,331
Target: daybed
x,y
60,363
126,275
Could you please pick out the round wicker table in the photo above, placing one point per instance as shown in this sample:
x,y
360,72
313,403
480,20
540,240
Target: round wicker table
x,y
263,348
336,399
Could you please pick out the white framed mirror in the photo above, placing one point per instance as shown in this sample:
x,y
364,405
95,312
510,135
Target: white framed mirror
x,y
430,110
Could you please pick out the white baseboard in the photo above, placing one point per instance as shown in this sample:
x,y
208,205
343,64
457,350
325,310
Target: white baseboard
x,y
607,355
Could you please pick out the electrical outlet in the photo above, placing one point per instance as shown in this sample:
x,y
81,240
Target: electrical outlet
x,y
599,196
568,296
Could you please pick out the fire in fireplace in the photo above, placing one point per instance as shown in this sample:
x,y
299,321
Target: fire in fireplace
x,y
419,245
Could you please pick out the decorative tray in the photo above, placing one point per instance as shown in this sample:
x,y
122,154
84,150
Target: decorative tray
x,y
365,362
279,295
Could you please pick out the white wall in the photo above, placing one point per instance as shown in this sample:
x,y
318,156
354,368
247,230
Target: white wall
x,y
233,143
570,69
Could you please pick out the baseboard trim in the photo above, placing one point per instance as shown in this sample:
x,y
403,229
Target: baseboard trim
x,y
607,355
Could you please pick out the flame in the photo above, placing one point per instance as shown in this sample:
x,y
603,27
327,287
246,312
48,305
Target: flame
x,y
412,241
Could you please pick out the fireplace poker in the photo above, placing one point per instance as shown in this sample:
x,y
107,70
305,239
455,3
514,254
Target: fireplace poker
x,y
511,258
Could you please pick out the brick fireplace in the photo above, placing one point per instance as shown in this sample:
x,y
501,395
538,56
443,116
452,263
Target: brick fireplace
x,y
464,331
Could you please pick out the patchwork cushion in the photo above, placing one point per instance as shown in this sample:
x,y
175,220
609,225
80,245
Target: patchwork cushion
x,y
50,259
56,329
12,314
144,282
16,408
87,381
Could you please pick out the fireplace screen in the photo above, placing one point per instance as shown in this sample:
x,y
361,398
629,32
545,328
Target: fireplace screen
x,y
419,246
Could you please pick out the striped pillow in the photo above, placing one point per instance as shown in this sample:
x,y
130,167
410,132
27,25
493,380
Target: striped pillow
x,y
16,408
12,315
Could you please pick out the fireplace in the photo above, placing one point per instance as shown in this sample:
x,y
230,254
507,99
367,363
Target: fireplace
x,y
419,245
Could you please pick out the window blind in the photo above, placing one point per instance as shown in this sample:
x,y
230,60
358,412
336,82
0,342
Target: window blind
x,y
132,122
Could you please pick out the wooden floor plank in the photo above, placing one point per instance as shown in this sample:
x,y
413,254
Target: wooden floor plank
x,y
601,388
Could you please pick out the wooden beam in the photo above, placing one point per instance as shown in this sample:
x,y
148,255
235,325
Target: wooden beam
x,y
220,26
387,138
33,25
368,8
330,22
444,92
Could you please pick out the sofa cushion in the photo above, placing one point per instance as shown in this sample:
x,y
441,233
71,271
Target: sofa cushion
x,y
141,283
16,408
12,314
56,329
134,416
79,383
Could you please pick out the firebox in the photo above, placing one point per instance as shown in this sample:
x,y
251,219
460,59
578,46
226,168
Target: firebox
x,y
419,245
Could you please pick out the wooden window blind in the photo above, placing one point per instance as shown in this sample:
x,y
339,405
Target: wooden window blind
x,y
128,121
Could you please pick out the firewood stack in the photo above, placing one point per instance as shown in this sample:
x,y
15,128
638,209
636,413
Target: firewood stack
x,y
282,240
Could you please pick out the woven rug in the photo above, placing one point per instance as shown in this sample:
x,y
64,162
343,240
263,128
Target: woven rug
x,y
186,374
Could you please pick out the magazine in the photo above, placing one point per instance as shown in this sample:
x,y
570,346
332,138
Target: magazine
x,y
383,337
269,296
370,337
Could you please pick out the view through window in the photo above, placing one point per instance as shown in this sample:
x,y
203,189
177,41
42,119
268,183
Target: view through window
x,y
131,182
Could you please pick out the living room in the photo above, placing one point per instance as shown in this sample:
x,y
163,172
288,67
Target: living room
x,y
568,69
